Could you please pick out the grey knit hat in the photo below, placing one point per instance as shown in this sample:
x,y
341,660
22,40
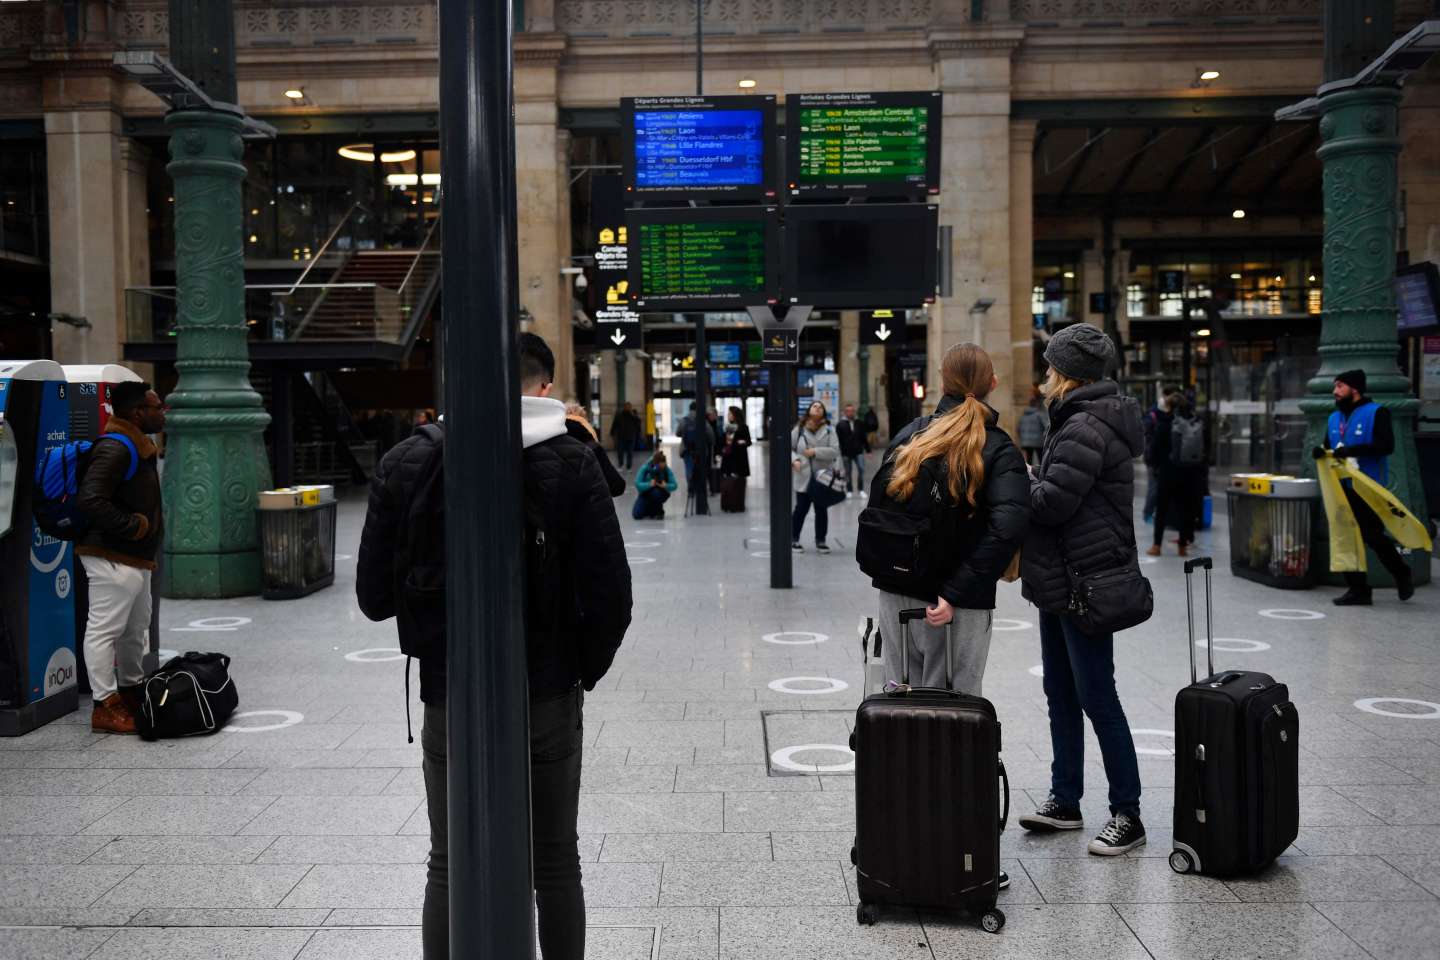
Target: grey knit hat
x,y
1081,352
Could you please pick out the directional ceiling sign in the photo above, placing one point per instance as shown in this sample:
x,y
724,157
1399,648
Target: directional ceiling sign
x,y
882,327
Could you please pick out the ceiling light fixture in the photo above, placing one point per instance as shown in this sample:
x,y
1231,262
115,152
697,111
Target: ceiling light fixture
x,y
1203,78
365,153
1238,214
1203,332
747,84
296,93
1210,75
1234,276
1311,278
1069,274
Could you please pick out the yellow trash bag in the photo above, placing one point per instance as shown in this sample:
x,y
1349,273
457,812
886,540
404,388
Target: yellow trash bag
x,y
1347,547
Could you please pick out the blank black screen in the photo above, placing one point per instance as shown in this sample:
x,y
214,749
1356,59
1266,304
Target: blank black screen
x,y
854,257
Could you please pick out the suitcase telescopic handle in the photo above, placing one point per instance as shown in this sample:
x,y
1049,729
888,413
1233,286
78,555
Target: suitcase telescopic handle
x,y
906,618
1190,567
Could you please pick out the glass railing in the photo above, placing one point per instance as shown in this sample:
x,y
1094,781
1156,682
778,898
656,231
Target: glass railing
x,y
312,311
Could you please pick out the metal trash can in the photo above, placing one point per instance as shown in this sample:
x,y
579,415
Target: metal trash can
x,y
297,541
1272,524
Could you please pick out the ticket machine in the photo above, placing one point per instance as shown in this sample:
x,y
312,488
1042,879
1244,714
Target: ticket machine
x,y
37,578
90,410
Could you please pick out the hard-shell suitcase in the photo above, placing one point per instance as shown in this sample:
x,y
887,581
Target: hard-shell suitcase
x,y
928,815
732,494
1237,751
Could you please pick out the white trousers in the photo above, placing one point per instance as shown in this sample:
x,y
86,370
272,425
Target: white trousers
x,y
118,625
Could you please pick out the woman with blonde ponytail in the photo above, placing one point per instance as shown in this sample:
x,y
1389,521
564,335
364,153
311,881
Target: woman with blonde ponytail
x,y
955,485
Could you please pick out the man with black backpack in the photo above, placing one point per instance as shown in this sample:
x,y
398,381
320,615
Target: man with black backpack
x,y
577,611
119,498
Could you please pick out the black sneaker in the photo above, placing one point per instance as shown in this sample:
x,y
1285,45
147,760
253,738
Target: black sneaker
x,y
1051,817
1405,586
1354,598
822,548
1004,881
796,546
1121,835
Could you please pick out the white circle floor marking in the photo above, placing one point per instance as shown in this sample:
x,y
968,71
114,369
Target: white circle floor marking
x,y
639,560
1236,645
1038,670
765,528
288,718
813,638
387,654
760,554
1000,623
1291,613
1149,560
1154,751
785,685
1368,704
781,758
212,625
640,544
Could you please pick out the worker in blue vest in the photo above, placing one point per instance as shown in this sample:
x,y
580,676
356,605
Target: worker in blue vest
x,y
1360,429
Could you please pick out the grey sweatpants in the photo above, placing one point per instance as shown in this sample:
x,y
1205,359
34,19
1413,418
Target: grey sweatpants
x,y
969,631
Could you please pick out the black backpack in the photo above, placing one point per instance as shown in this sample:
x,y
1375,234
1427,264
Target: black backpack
x,y
188,696
420,589
904,543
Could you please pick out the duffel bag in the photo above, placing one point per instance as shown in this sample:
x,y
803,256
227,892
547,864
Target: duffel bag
x,y
188,696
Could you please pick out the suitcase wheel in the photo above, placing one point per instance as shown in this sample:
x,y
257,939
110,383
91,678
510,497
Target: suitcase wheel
x,y
854,856
1180,862
992,921
852,743
867,914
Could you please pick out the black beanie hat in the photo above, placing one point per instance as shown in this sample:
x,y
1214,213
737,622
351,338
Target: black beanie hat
x,y
1354,379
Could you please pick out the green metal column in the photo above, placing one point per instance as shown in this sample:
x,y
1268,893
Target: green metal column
x,y
1360,143
215,459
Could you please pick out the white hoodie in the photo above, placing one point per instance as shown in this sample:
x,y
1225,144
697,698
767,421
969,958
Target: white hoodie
x,y
541,419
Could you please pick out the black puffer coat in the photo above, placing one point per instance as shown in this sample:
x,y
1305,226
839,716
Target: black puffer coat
x,y
982,543
1081,498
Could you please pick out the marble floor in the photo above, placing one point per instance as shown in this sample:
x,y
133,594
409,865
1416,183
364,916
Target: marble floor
x,y
300,831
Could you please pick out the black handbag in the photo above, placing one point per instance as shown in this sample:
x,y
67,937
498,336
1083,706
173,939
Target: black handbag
x,y
1110,601
189,695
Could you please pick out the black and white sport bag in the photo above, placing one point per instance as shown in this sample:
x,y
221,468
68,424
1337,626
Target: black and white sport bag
x,y
189,695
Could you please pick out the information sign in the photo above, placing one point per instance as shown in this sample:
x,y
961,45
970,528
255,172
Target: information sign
x,y
1417,297
713,258
680,148
781,345
859,144
882,327
617,326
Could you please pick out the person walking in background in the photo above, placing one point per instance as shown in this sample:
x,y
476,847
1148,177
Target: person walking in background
x,y
854,444
119,496
688,432
577,425
655,482
1361,429
625,435
734,462
814,449
1182,477
1157,447
577,612
1081,498
1031,429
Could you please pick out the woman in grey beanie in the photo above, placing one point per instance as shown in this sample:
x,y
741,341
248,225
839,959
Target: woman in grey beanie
x,y
1081,496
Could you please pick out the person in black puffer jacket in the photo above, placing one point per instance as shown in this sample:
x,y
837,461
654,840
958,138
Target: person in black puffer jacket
x,y
960,469
1082,497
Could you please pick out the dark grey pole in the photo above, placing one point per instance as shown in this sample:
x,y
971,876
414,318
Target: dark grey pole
x,y
491,904
282,423
699,48
704,439
782,408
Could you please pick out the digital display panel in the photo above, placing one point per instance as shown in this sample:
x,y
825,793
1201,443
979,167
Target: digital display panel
x,y
725,379
872,255
1417,297
703,258
724,353
696,147
863,144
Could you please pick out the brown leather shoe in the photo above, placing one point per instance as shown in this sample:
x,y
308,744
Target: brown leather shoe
x,y
1154,551
1184,550
112,716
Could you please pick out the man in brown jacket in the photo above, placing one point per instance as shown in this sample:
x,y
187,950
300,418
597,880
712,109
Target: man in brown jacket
x,y
120,499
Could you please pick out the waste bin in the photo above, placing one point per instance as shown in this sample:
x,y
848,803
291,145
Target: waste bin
x,y
297,541
1272,524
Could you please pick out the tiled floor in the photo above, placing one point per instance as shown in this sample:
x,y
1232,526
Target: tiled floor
x,y
308,839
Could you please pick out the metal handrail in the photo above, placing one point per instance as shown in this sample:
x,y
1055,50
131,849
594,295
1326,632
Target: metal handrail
x,y
357,205
425,245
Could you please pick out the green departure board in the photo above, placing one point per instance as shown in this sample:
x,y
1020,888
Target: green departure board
x,y
702,261
842,145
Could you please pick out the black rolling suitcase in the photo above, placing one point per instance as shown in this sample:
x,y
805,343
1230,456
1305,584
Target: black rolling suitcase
x,y
1237,750
927,805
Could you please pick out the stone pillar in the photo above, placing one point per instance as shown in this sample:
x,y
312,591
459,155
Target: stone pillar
x,y
1358,130
849,357
89,227
215,458
1022,268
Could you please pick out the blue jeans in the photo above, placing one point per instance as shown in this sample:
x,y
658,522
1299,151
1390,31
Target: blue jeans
x,y
650,503
1080,677
855,473
802,508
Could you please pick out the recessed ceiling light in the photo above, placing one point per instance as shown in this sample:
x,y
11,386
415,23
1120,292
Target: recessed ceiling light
x,y
1203,332
1234,276
1069,274
1311,278
1209,74
1279,279
1238,214
295,93
747,84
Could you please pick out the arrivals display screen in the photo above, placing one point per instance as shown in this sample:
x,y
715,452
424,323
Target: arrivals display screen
x,y
862,144
707,258
1417,296
725,353
685,148
871,255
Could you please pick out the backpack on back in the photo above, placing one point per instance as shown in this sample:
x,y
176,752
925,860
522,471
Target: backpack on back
x,y
1187,442
421,592
903,542
58,475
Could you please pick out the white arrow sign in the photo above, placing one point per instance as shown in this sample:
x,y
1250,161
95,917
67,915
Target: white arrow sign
x,y
883,333
617,338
